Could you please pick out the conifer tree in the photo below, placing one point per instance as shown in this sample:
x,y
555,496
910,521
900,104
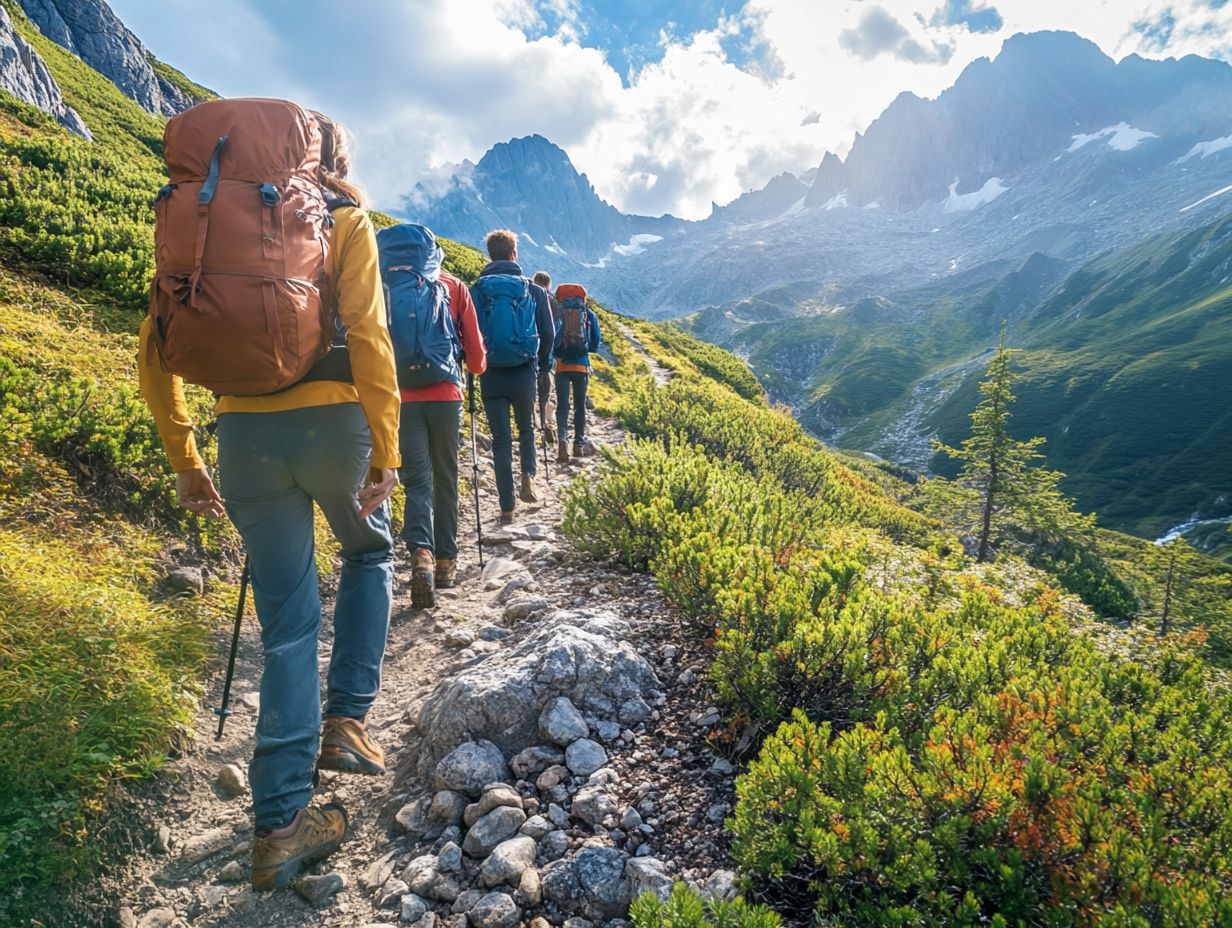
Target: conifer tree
x,y
1005,474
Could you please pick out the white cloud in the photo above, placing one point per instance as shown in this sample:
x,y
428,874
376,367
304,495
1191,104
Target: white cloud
x,y
433,82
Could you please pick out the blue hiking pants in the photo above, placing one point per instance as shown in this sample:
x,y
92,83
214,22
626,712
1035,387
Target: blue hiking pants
x,y
272,467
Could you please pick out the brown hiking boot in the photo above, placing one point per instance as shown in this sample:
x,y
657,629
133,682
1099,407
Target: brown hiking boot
x,y
562,452
317,834
549,434
446,574
347,746
579,449
506,517
528,494
423,595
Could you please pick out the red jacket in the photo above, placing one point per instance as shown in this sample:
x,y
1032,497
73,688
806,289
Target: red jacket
x,y
467,325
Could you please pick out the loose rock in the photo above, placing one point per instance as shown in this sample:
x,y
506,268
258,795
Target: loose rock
x,y
231,780
508,861
495,910
648,875
561,723
413,908
499,825
584,757
533,761
470,767
319,890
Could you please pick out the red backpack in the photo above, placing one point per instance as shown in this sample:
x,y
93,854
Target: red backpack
x,y
240,298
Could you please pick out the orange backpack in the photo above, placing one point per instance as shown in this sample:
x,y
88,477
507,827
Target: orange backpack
x,y
574,322
240,298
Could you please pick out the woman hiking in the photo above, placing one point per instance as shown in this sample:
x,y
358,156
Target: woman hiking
x,y
330,438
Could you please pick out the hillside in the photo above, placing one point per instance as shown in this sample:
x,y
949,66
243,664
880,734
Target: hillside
x,y
866,298
721,655
1124,361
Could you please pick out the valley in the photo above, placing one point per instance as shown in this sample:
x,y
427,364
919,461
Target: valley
x,y
1081,201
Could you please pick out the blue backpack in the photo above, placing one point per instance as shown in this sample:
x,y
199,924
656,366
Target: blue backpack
x,y
426,346
506,310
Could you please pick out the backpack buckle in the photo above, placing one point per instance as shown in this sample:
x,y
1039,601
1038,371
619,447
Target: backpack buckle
x,y
269,195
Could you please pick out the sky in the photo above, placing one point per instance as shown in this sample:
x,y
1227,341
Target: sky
x,y
667,107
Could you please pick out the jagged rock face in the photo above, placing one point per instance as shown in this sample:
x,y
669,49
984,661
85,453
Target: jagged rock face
x,y
1005,114
530,186
24,74
90,30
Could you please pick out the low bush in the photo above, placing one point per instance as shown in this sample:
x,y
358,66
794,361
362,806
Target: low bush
x,y
685,909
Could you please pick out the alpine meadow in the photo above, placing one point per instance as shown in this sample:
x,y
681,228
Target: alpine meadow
x,y
879,575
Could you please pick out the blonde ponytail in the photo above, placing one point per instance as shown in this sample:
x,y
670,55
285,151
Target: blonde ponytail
x,y
336,147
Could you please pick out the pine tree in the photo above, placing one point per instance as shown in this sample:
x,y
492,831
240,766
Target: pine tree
x,y
1004,473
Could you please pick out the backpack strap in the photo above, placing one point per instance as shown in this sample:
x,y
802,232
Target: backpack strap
x,y
333,203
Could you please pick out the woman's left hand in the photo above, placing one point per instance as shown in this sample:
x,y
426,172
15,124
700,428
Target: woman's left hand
x,y
371,496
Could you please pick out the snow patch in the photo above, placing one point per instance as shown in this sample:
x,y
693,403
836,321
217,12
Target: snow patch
x,y
555,249
795,208
1206,149
529,238
838,201
962,202
637,244
1209,196
1121,137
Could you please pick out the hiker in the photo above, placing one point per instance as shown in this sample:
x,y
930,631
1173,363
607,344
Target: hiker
x,y
430,381
291,430
547,405
577,335
516,320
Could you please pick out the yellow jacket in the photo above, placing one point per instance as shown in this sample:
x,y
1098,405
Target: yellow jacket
x,y
361,305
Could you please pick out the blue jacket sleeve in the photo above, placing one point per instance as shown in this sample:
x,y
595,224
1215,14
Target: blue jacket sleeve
x,y
543,322
596,338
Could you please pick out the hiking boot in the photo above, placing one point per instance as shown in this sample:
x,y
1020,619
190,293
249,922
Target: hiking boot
x,y
527,493
562,452
549,434
423,595
506,517
316,834
347,746
446,574
579,449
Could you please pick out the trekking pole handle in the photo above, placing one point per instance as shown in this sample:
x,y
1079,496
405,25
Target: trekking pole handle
x,y
222,711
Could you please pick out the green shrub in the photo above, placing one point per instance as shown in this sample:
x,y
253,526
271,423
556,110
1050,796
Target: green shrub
x,y
685,909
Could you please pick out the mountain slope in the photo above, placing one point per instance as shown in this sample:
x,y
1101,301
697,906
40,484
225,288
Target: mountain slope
x,y
530,186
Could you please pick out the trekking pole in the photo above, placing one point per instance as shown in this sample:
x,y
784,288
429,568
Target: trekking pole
x,y
470,389
547,469
222,711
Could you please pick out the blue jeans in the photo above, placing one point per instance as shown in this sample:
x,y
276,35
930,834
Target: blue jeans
x,y
506,389
272,467
577,382
428,436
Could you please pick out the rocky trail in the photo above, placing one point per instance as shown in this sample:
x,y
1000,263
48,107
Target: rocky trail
x,y
546,731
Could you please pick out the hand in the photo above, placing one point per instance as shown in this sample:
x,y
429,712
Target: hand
x,y
371,496
195,492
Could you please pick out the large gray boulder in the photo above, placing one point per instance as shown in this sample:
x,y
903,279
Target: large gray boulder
x,y
91,31
25,75
584,655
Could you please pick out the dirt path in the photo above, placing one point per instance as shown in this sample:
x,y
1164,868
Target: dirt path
x,y
660,373
195,869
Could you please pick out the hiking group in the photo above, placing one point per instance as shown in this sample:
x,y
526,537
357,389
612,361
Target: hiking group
x,y
336,357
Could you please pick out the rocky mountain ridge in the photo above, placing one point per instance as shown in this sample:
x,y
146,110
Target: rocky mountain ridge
x,y
92,31
529,185
25,75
